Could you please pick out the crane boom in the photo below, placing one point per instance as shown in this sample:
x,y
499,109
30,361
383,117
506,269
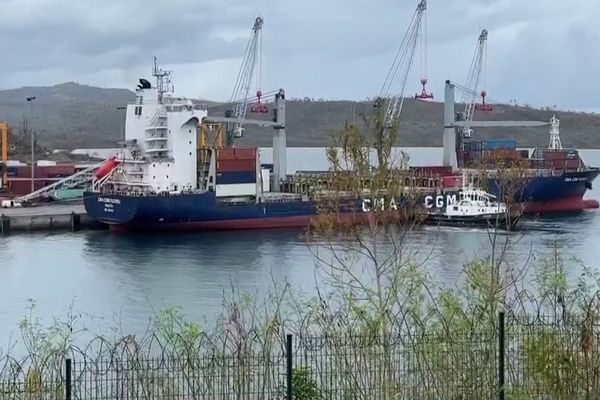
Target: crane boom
x,y
240,96
401,67
473,80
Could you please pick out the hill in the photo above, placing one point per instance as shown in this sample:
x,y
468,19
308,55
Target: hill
x,y
71,115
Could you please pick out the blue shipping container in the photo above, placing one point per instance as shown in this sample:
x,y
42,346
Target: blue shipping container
x,y
229,178
492,144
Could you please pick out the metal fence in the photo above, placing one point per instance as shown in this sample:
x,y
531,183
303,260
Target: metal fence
x,y
516,359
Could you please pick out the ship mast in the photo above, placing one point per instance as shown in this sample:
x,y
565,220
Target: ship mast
x,y
555,143
163,80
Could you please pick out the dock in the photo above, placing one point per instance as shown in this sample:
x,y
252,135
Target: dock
x,y
62,217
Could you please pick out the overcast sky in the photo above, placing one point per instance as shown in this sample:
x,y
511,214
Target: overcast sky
x,y
541,52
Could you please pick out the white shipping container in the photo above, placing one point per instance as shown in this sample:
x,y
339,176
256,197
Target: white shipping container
x,y
238,189
265,176
46,163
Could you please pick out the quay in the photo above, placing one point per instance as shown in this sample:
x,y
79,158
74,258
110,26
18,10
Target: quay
x,y
63,217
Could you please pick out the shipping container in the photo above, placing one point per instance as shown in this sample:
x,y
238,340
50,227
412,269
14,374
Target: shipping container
x,y
490,144
266,179
451,181
501,153
227,178
236,154
25,172
555,155
59,171
23,186
433,170
236,165
240,189
45,163
562,164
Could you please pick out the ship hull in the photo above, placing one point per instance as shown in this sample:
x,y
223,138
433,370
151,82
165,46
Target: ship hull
x,y
552,194
540,195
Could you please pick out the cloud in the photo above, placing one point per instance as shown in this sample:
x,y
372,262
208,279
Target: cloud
x,y
540,51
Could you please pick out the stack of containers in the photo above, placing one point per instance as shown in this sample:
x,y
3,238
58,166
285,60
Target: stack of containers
x,y
499,150
562,159
472,153
236,172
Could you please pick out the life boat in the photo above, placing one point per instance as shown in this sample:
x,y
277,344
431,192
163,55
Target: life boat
x,y
105,168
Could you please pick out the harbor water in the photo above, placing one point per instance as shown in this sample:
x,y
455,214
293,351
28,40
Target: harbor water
x,y
121,280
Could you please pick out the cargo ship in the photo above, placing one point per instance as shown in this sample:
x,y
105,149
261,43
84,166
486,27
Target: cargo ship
x,y
168,177
554,179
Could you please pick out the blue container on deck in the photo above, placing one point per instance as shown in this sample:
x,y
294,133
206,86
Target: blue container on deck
x,y
230,178
493,144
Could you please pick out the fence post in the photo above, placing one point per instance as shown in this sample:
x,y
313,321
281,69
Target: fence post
x,y
68,379
501,354
289,365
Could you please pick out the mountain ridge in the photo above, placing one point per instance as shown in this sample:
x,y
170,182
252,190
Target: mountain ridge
x,y
70,115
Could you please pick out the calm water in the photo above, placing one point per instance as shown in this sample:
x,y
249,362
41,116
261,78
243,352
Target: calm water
x,y
123,278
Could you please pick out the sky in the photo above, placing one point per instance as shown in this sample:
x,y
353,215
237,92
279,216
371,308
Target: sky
x,y
540,52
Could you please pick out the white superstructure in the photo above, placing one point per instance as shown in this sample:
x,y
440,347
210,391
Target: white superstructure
x,y
474,203
161,134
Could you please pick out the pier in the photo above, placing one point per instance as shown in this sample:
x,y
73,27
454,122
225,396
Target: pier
x,y
63,217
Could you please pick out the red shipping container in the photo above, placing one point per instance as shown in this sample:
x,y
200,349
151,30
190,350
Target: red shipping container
x,y
452,181
236,154
22,187
59,170
25,172
555,155
236,165
572,164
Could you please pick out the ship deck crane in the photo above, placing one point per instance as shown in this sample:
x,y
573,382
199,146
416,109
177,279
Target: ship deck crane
x,y
247,73
395,83
451,125
235,118
422,37
473,81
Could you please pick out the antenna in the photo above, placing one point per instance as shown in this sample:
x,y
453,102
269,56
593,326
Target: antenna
x,y
163,80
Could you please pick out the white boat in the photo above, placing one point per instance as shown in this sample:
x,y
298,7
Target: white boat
x,y
473,207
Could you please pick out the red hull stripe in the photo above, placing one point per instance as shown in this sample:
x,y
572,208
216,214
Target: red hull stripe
x,y
302,221
232,224
568,204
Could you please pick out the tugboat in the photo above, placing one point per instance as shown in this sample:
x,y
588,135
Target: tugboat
x,y
474,207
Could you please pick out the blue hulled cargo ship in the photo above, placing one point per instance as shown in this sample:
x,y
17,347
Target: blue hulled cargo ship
x,y
171,174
